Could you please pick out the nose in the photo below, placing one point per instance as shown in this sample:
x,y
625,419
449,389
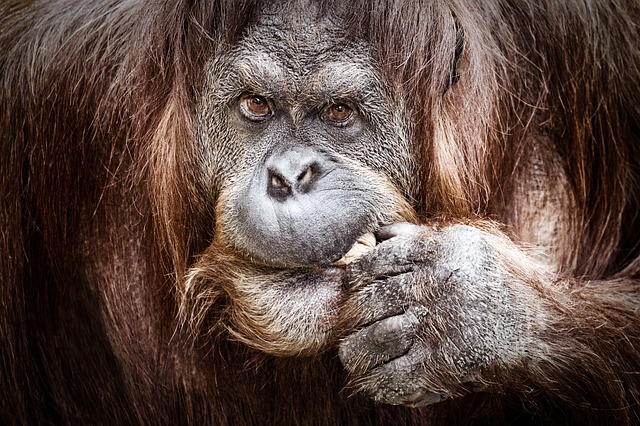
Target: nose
x,y
292,172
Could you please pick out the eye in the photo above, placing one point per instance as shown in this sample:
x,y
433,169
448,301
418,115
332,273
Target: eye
x,y
338,114
255,107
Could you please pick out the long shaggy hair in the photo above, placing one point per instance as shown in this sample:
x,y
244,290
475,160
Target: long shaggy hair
x,y
102,217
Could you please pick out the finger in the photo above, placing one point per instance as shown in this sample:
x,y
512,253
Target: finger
x,y
378,300
377,343
384,261
387,232
401,381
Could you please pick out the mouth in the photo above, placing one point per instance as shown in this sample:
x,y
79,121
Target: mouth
x,y
363,244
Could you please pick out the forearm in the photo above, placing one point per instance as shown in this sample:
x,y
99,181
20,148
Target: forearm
x,y
589,350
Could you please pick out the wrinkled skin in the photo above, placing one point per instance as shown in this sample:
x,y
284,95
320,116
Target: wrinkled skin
x,y
304,151
180,183
426,310
435,308
431,312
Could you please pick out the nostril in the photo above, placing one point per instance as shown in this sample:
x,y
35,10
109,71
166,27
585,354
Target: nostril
x,y
307,175
277,181
278,186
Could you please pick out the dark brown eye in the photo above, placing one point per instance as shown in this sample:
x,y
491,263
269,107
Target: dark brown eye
x,y
338,114
255,107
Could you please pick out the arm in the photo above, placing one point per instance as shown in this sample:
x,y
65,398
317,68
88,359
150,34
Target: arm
x,y
438,313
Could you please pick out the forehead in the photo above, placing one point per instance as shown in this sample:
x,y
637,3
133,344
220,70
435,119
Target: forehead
x,y
298,28
297,49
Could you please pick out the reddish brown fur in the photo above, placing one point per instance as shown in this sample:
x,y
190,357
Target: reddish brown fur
x,y
101,218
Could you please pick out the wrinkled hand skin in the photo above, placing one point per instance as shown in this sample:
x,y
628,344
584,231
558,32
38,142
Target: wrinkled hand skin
x,y
432,310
